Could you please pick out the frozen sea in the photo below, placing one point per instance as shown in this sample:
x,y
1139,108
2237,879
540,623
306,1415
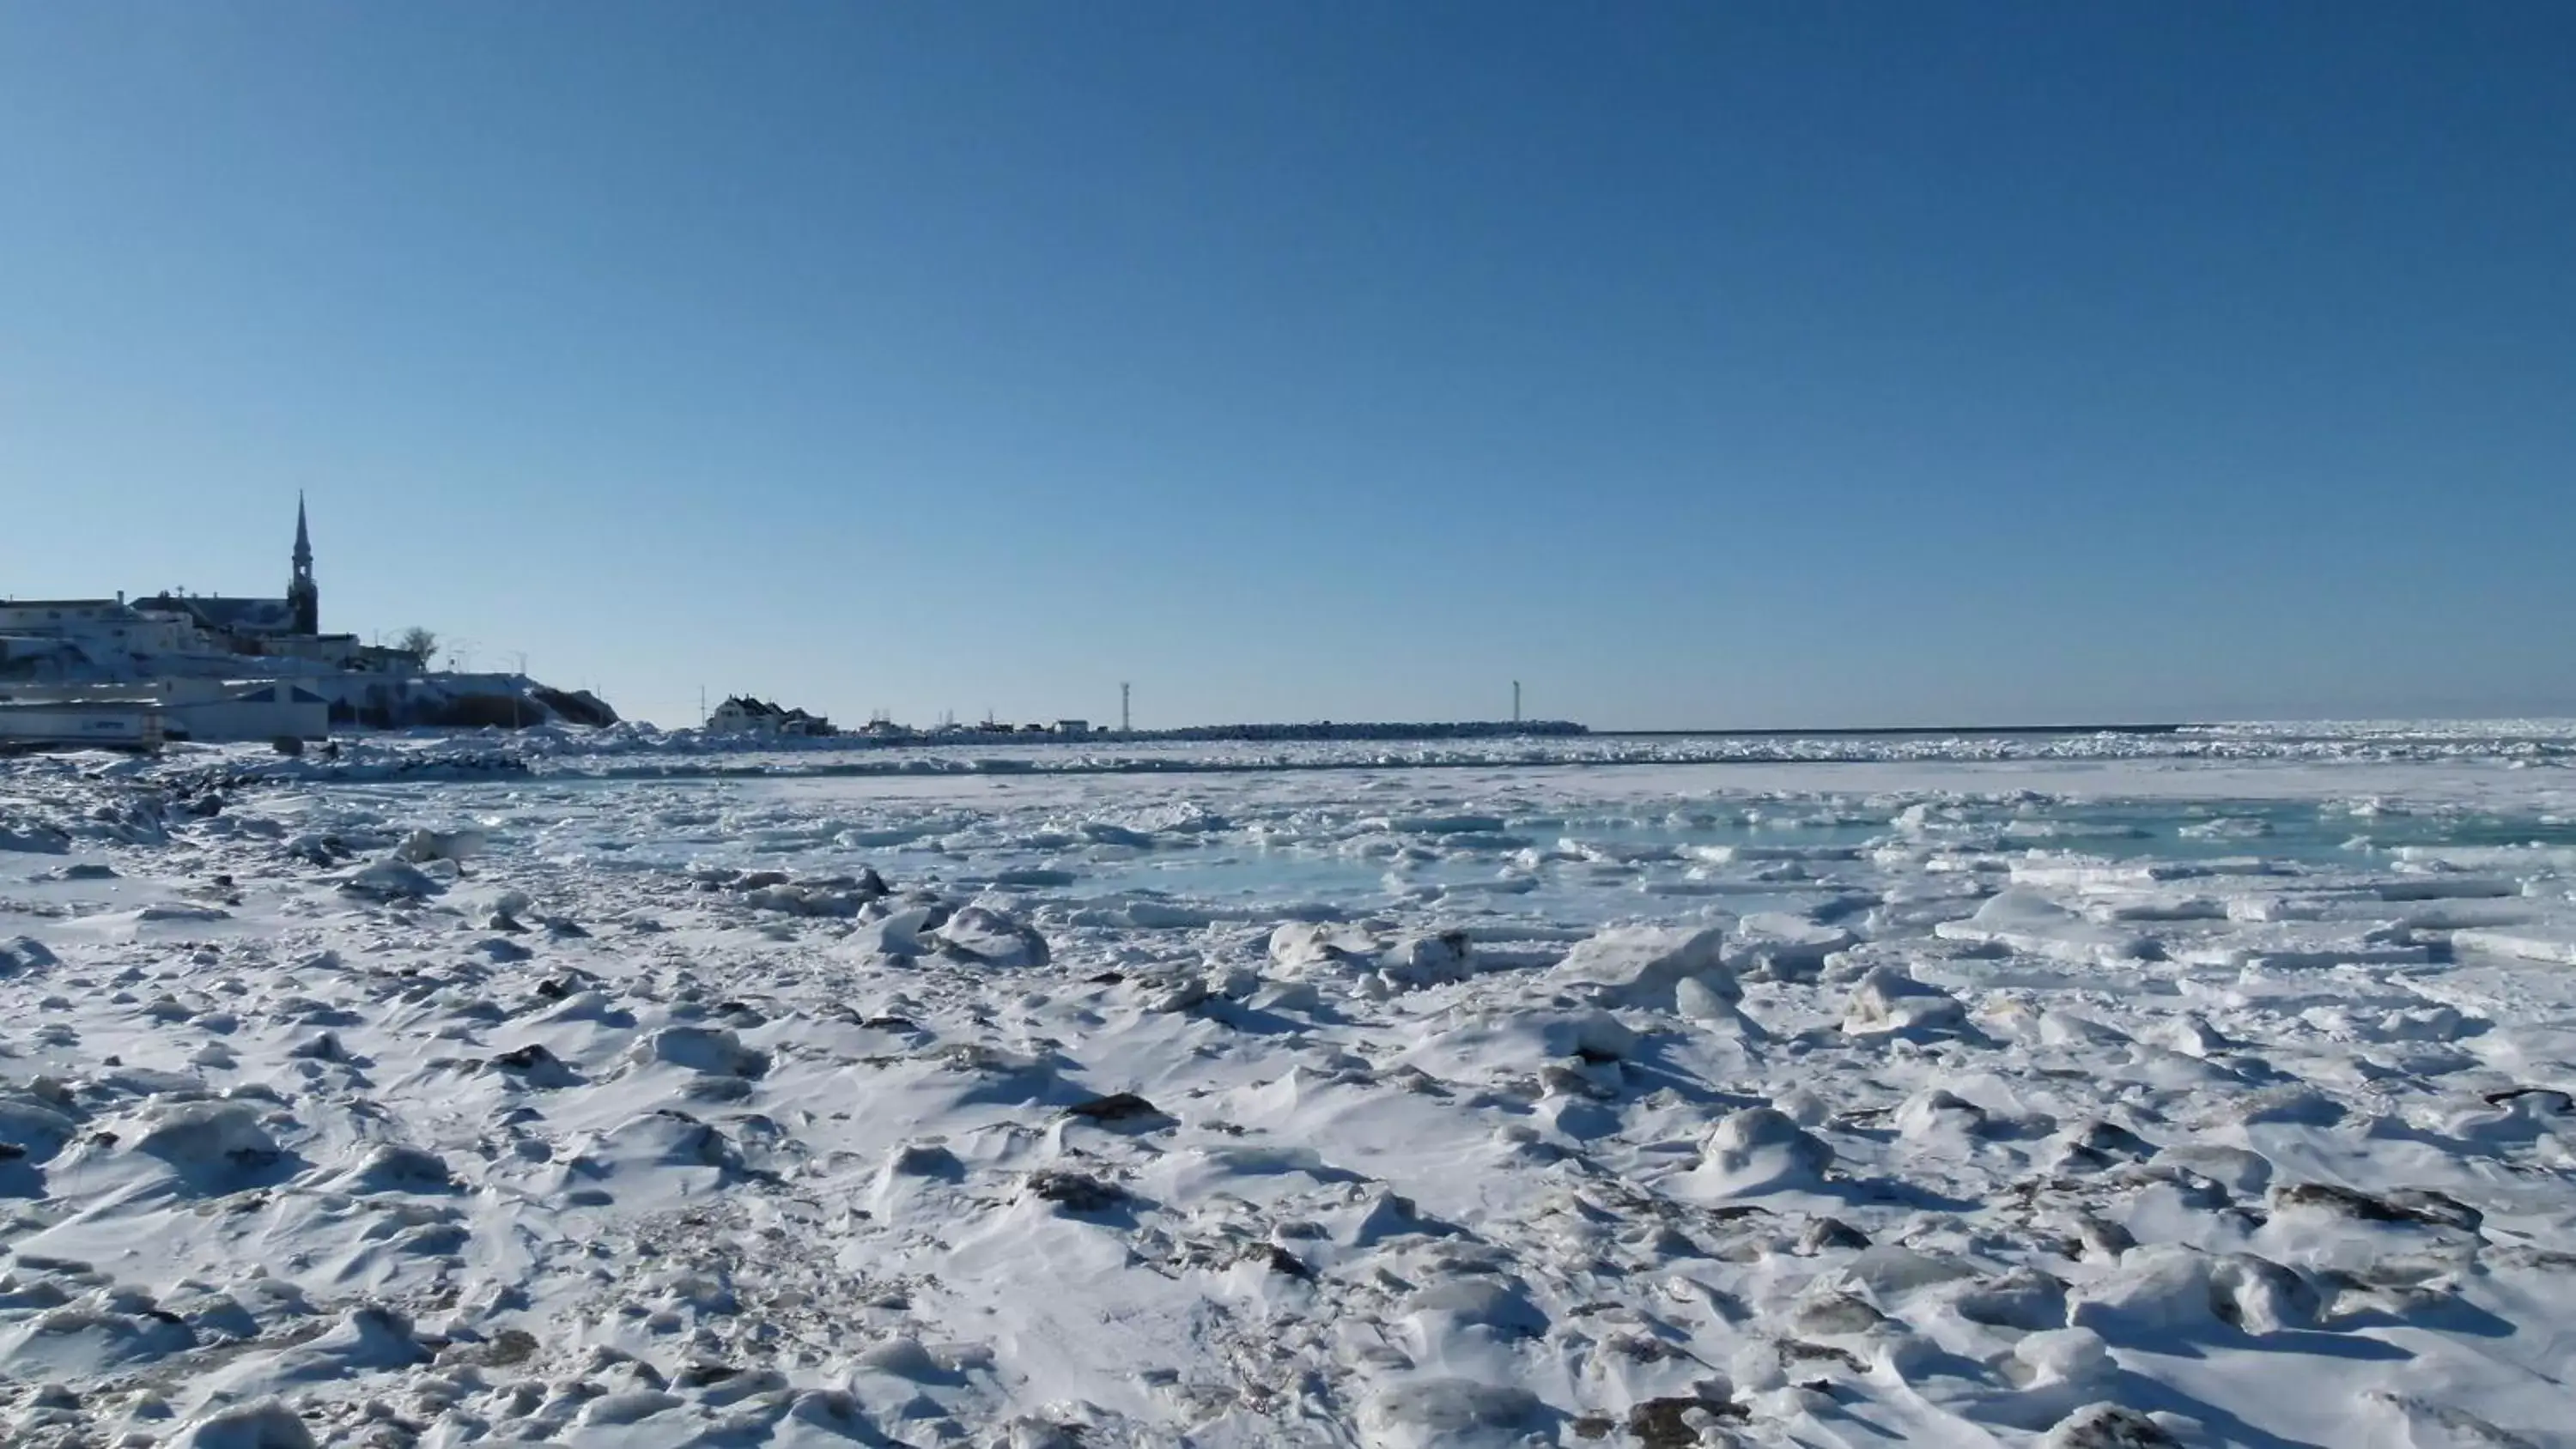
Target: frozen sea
x,y
2082,1091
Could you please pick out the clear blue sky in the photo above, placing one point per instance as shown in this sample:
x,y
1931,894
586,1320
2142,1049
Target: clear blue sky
x,y
1753,363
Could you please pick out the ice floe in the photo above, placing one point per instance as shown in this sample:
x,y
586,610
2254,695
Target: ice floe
x,y
605,1090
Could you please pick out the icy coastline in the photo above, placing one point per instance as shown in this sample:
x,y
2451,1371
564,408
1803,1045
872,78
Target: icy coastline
x,y
610,1088
643,751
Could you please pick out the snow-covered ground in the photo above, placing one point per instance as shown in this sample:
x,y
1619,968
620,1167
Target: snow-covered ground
x,y
623,1091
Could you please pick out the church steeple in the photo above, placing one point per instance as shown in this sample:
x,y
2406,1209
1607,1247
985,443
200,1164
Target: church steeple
x,y
302,594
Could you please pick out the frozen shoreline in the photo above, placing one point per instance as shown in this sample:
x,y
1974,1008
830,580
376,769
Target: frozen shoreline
x,y
643,753
1314,1099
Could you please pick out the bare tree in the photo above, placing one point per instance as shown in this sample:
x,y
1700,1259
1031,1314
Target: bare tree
x,y
419,643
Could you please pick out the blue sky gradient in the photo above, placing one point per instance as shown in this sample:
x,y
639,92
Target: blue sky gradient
x,y
1759,364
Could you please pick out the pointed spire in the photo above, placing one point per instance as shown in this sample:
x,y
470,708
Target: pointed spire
x,y
301,594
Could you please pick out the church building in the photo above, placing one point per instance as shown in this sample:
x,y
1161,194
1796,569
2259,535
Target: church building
x,y
247,620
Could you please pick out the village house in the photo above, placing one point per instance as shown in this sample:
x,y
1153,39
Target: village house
x,y
745,714
182,666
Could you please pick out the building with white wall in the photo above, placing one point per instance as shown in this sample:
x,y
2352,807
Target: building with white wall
x,y
209,711
215,668
743,714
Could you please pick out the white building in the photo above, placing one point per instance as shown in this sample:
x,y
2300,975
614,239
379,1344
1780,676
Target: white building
x,y
104,633
241,668
110,724
209,711
743,714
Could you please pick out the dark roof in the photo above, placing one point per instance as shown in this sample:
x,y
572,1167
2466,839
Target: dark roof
x,y
763,709
256,616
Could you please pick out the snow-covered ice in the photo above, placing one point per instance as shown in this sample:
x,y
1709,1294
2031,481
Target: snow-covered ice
x,y
611,1089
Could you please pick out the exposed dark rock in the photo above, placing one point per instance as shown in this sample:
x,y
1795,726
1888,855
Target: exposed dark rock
x,y
540,1067
1826,1234
1075,1191
1117,1107
1288,1264
1668,1423
579,706
2404,1205
2107,1426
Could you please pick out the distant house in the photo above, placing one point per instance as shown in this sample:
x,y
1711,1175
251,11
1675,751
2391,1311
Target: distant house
x,y
71,639
1073,726
745,715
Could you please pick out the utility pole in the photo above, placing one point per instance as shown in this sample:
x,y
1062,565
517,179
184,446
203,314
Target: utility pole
x,y
1516,701
702,706
1126,722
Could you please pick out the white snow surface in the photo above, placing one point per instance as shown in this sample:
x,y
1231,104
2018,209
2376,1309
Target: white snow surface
x,y
570,1091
